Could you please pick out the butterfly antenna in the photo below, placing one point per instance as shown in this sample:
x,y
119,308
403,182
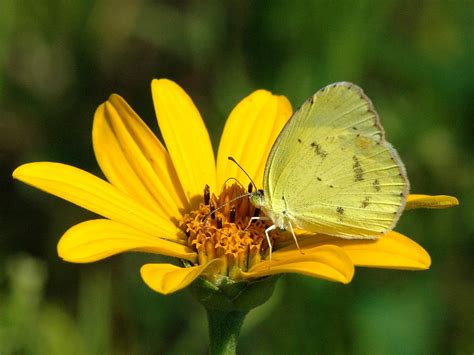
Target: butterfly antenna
x,y
236,163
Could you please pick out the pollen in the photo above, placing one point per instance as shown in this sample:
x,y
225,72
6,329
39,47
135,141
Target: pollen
x,y
220,229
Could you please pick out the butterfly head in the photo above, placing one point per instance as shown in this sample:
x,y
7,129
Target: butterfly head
x,y
257,198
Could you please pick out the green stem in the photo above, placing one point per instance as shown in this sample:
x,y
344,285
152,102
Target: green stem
x,y
224,330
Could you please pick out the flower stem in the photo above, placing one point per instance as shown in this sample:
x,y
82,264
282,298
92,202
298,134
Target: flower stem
x,y
224,330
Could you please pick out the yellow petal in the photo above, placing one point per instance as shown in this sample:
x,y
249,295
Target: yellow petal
x,y
326,262
249,134
98,239
428,201
391,251
96,195
167,278
134,160
186,138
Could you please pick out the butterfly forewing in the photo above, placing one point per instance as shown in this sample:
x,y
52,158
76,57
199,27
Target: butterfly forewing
x,y
331,170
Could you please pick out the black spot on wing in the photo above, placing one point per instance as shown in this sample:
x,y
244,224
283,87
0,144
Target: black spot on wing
x,y
319,150
365,202
376,185
299,140
358,171
340,212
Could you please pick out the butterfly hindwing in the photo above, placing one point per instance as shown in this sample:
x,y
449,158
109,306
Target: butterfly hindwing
x,y
331,171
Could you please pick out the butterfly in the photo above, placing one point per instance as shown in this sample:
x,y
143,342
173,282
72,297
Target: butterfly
x,y
331,171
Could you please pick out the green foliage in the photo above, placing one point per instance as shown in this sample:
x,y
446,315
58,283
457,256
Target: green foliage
x,y
60,59
29,324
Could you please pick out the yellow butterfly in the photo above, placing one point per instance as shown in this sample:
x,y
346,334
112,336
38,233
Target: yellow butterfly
x,y
331,171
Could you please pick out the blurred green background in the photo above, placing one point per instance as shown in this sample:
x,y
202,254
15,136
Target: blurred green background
x,y
60,59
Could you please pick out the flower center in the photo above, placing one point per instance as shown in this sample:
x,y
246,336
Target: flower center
x,y
222,229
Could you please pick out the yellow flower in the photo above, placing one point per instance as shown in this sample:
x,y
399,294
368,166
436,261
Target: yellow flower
x,y
162,201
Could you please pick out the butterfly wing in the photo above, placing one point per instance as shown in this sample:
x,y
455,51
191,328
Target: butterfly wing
x,y
331,171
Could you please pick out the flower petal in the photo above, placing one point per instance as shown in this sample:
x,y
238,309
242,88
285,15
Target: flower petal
x,y
326,262
134,160
249,134
96,195
186,138
98,239
429,201
167,278
391,251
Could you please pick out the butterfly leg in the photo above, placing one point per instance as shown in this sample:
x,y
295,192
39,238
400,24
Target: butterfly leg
x,y
256,219
272,227
294,237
